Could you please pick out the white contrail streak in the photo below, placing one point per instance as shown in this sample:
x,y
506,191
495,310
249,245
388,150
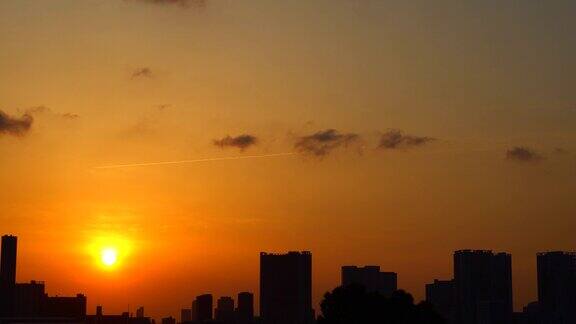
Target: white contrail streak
x,y
117,166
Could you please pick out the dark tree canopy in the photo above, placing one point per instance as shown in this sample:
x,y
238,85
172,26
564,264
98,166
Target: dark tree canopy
x,y
354,305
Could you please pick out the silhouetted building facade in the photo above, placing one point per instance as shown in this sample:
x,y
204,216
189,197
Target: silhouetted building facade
x,y
204,306
557,287
529,315
286,288
225,310
370,277
440,294
140,311
124,318
7,275
168,320
245,309
483,287
185,315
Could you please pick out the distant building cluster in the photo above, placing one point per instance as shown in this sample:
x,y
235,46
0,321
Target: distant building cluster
x,y
479,293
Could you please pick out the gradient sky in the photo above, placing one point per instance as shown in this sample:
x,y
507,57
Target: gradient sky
x,y
132,81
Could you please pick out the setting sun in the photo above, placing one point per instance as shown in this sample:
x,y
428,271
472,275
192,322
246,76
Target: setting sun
x,y
109,256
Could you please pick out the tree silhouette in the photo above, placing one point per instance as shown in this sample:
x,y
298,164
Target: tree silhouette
x,y
354,305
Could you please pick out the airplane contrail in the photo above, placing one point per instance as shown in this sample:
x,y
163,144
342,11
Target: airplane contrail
x,y
117,166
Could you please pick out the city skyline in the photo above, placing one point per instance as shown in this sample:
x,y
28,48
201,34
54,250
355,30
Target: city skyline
x,y
480,291
173,141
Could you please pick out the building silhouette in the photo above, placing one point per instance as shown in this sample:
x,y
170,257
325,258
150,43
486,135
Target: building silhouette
x,y
168,320
140,311
557,287
204,306
483,287
124,318
245,309
441,295
224,312
185,315
371,278
8,260
29,300
7,274
286,288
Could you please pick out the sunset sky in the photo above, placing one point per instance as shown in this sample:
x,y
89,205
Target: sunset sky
x,y
384,132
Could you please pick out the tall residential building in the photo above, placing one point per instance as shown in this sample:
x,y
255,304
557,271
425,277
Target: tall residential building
x,y
557,287
245,309
440,294
204,306
7,275
286,288
371,278
140,312
225,310
483,287
169,320
8,260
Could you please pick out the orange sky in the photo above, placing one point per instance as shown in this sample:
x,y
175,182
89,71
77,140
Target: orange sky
x,y
126,81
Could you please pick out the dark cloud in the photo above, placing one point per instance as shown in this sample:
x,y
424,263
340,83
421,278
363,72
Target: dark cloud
x,y
183,3
324,142
523,154
15,126
241,141
396,139
143,72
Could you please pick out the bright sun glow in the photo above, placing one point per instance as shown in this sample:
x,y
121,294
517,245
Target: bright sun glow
x,y
109,256
110,251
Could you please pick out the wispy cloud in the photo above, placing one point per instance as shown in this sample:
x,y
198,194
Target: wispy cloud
x,y
38,110
182,3
241,141
15,126
323,142
396,139
523,154
142,72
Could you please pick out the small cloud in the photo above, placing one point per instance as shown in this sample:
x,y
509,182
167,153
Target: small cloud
x,y
396,139
143,72
241,141
523,154
70,116
15,126
163,106
183,3
322,143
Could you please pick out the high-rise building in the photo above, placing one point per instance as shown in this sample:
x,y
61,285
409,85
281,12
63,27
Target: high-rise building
x,y
483,287
140,312
8,275
185,315
225,310
557,287
204,306
8,260
245,309
370,277
286,288
440,294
